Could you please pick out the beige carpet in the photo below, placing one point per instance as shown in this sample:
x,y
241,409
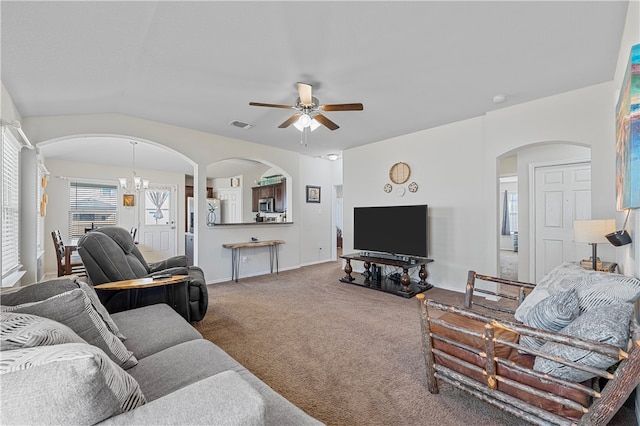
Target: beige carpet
x,y
344,354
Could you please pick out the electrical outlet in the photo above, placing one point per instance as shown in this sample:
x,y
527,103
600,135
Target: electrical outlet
x,y
245,259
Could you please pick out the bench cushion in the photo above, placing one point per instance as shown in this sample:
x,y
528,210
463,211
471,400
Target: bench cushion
x,y
505,352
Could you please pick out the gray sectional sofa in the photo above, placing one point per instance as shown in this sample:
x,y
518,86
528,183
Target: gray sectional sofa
x,y
65,360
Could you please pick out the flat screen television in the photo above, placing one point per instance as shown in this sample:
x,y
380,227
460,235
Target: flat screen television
x,y
398,230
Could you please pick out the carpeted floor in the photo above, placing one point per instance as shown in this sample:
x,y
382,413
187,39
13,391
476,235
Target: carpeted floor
x,y
344,354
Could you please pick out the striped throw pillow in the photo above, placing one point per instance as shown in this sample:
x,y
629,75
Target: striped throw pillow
x,y
74,309
27,331
62,384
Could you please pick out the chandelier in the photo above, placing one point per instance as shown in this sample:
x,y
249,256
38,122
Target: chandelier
x,y
135,183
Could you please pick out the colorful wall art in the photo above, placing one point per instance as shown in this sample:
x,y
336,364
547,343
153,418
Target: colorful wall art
x,y
628,136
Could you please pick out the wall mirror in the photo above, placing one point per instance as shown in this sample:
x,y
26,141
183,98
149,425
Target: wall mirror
x,y
247,191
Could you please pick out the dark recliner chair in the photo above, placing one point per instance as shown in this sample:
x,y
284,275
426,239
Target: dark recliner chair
x,y
110,254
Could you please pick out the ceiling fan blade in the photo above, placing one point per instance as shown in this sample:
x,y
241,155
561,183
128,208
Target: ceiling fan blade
x,y
289,121
342,107
304,91
270,105
326,122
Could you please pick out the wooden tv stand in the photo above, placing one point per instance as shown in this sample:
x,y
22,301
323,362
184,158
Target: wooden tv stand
x,y
403,287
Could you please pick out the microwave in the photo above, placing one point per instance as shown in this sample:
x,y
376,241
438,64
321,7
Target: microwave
x,y
265,205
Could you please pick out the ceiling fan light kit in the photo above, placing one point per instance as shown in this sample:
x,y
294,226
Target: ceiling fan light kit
x,y
309,116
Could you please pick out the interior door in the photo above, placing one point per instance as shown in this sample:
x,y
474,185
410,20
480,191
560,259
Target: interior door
x,y
562,195
157,233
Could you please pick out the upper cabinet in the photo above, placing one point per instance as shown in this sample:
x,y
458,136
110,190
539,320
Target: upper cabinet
x,y
276,192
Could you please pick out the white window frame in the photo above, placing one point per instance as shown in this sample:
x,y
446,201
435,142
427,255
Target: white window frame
x,y
10,259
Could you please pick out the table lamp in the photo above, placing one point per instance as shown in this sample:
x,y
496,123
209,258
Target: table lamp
x,y
593,232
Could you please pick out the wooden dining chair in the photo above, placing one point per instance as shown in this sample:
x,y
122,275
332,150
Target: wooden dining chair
x,y
75,265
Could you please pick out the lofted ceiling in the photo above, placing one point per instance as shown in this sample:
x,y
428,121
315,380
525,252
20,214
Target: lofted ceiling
x,y
414,65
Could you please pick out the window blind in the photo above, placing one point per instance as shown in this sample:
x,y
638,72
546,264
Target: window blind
x,y
10,204
91,205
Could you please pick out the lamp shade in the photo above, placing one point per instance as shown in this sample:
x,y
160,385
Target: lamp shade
x,y
592,231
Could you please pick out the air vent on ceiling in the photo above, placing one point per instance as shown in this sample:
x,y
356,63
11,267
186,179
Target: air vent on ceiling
x,y
240,124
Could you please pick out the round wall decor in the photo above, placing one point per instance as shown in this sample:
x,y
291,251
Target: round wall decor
x,y
399,173
387,187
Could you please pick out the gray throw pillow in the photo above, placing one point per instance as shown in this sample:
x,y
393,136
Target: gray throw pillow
x,y
28,331
552,314
72,382
49,288
606,324
74,309
99,307
594,288
38,291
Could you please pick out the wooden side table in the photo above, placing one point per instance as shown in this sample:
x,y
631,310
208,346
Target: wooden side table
x,y
601,266
177,298
235,254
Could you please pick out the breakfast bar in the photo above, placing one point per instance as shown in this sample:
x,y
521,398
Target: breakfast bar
x,y
235,254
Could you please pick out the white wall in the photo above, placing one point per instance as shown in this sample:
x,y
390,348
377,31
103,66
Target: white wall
x,y
58,191
456,167
202,149
445,164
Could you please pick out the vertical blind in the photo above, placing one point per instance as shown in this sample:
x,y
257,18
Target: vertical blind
x,y
10,204
91,205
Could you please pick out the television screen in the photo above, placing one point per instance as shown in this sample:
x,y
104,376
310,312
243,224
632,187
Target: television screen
x,y
399,230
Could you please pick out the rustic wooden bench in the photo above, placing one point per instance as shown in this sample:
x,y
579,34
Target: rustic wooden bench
x,y
480,354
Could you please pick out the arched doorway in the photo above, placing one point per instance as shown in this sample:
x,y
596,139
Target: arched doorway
x,y
520,164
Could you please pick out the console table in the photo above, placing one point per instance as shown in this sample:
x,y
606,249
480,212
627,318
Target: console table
x,y
403,286
235,254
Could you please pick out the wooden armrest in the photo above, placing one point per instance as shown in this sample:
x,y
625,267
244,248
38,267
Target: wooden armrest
x,y
523,289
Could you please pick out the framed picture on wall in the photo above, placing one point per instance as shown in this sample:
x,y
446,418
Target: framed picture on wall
x,y
128,200
313,194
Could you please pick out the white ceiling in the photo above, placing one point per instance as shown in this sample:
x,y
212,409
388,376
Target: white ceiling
x,y
414,65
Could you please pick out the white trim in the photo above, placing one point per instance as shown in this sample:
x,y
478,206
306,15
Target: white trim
x,y
532,206
13,278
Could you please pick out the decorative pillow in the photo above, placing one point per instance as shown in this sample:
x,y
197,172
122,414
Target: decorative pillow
x,y
46,289
57,384
99,307
553,314
594,288
38,291
28,331
605,324
74,309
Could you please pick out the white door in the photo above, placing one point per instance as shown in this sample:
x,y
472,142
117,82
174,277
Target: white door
x,y
157,231
562,195
230,204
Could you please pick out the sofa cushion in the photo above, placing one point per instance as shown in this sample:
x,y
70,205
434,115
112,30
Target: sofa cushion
x,y
28,331
553,314
181,365
153,328
46,289
606,324
71,382
503,351
223,399
74,309
594,288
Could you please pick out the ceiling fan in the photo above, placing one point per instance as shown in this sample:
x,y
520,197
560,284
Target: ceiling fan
x,y
309,108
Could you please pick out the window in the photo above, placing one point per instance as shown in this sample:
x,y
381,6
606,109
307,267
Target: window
x,y
10,204
512,200
91,205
